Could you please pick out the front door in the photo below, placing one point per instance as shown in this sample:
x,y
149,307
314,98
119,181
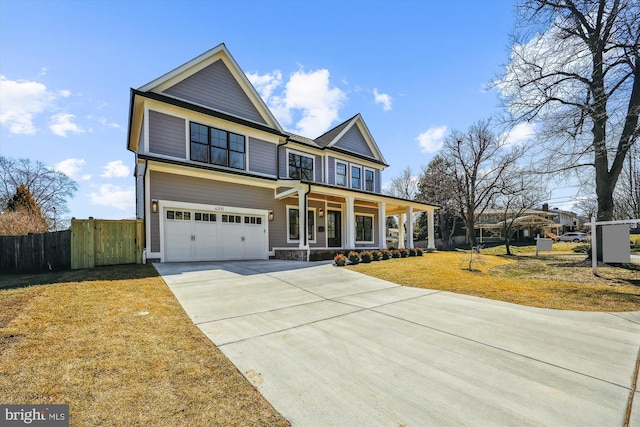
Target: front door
x,y
334,229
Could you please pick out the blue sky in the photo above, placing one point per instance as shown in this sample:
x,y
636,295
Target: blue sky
x,y
413,69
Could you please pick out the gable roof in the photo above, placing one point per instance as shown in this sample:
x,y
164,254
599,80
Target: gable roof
x,y
179,75
333,137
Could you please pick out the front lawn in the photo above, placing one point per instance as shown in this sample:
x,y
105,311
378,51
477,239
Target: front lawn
x,y
552,281
114,344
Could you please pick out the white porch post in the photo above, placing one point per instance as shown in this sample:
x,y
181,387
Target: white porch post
x,y
400,231
302,221
350,220
382,226
431,239
409,227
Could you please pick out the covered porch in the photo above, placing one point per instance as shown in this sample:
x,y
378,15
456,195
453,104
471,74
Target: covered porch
x,y
348,219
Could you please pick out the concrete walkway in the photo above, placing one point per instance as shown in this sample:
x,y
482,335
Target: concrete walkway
x,y
328,346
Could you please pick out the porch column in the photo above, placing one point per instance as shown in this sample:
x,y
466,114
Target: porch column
x,y
400,231
382,226
431,239
350,222
302,221
409,227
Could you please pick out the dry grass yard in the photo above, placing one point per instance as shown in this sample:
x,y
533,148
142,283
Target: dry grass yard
x,y
114,344
560,280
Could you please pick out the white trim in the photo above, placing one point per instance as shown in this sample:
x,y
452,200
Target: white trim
x,y
315,219
364,181
303,154
351,167
373,227
346,171
219,209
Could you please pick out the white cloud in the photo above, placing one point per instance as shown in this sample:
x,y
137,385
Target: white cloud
x,y
70,167
20,101
122,198
519,133
115,169
431,140
308,96
382,98
64,93
62,123
105,122
265,84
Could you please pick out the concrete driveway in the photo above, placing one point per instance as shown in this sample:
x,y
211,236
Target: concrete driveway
x,y
328,346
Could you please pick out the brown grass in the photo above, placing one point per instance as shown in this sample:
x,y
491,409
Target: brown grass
x,y
118,348
555,282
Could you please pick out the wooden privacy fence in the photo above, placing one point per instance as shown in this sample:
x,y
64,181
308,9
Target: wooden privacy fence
x,y
97,242
35,252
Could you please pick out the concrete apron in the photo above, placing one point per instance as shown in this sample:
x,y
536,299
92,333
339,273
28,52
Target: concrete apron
x,y
328,346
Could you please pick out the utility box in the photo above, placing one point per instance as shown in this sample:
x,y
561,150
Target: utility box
x,y
616,247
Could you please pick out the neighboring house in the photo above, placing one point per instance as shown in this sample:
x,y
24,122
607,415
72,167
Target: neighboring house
x,y
218,178
529,223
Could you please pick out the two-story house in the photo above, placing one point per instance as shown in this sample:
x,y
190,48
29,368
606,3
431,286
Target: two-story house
x,y
218,178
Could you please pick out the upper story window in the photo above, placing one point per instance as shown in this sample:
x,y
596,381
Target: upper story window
x,y
300,167
355,177
219,147
369,180
341,174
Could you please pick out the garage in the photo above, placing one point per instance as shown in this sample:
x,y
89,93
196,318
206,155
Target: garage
x,y
211,235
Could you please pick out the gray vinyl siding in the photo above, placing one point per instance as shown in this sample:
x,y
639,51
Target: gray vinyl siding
x,y
179,188
262,156
167,135
282,160
354,141
331,179
319,168
215,87
378,186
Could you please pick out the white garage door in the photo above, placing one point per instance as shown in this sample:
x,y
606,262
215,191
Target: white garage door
x,y
199,235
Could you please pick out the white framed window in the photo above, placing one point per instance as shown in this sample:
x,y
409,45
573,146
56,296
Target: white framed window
x,y
293,225
369,179
300,166
341,174
364,228
356,177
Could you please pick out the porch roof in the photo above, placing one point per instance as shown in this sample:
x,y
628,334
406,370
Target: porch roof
x,y
332,193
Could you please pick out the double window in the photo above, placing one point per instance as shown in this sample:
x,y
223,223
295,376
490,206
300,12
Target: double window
x,y
294,225
364,228
300,167
218,147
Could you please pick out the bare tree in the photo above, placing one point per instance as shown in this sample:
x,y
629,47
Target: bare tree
x,y
50,189
404,185
478,158
518,192
437,185
627,194
575,71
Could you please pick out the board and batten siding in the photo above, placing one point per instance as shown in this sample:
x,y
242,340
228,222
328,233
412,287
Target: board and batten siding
x,y
262,157
355,142
214,86
167,135
180,188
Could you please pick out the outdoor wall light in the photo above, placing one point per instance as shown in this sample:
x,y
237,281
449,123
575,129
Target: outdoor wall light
x,y
321,212
270,215
154,206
